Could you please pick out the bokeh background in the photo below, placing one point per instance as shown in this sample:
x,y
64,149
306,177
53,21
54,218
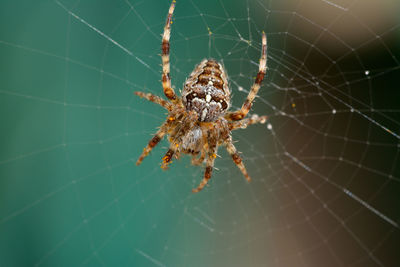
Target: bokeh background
x,y
325,167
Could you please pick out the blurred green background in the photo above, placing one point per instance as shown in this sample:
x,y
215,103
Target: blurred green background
x,y
71,130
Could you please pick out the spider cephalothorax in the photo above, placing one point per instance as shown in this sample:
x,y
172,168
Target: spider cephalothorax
x,y
199,122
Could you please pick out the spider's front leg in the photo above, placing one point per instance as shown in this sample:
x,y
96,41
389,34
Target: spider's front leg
x,y
154,141
182,128
211,155
241,113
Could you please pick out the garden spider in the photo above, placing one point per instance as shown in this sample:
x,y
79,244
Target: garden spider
x,y
198,122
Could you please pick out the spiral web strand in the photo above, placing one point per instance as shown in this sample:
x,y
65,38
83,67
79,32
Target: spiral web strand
x,y
325,166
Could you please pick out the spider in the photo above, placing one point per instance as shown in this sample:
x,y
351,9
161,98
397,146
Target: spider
x,y
199,121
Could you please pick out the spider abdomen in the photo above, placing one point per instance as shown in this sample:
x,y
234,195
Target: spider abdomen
x,y
206,91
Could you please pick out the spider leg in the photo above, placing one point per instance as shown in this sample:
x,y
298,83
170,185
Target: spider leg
x,y
155,99
166,80
242,124
199,160
168,156
212,154
154,141
176,137
236,158
240,114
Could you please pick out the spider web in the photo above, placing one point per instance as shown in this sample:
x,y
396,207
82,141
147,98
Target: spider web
x,y
325,167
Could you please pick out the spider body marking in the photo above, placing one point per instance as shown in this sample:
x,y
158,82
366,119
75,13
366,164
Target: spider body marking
x,y
199,122
206,91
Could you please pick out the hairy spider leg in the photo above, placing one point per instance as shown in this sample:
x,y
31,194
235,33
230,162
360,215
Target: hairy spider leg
x,y
241,113
199,160
167,158
154,141
212,154
187,123
173,147
155,99
166,80
236,158
242,124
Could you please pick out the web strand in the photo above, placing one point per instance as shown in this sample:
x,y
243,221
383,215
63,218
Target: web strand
x,y
325,166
